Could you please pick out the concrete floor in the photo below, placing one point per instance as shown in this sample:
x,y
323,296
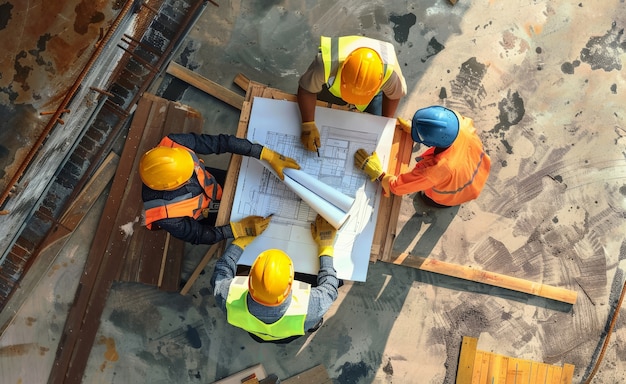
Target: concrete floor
x,y
544,82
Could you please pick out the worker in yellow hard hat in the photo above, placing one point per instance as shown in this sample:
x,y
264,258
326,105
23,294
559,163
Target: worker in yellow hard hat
x,y
179,193
269,303
358,70
452,171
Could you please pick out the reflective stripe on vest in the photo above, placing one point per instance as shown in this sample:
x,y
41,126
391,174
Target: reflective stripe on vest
x,y
185,205
291,324
336,49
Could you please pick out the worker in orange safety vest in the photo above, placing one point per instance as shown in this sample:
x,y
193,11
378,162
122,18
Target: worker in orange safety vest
x,y
452,171
179,192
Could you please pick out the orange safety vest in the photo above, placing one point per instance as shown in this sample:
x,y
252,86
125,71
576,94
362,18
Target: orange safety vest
x,y
185,205
453,177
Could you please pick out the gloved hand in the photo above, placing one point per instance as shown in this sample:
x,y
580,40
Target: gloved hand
x,y
324,235
404,125
278,162
243,241
386,180
310,136
250,226
370,164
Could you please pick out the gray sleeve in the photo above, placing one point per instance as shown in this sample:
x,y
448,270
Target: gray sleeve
x,y
223,274
324,295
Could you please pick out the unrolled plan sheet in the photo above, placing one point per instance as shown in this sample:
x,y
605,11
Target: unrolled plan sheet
x,y
276,124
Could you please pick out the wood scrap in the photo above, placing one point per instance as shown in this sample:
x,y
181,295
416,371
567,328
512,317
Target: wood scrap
x,y
204,84
490,278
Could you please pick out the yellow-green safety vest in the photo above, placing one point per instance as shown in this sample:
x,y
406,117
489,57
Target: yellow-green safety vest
x,y
336,49
291,324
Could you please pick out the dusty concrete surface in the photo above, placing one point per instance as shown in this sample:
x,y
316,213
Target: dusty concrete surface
x,y
544,82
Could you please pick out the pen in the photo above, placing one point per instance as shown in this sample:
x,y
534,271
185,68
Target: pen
x,y
318,150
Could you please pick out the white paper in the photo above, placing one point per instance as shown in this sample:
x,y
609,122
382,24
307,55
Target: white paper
x,y
276,123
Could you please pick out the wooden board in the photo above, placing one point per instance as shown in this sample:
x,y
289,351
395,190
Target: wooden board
x,y
237,378
481,367
315,375
491,278
123,249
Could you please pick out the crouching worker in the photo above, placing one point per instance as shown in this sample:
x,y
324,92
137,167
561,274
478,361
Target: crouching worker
x,y
451,172
269,304
179,193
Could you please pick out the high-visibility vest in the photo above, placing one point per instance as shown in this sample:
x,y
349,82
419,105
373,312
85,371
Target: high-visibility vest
x,y
185,205
336,49
291,324
466,152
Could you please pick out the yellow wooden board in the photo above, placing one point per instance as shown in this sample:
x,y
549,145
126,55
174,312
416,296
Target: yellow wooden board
x,y
482,367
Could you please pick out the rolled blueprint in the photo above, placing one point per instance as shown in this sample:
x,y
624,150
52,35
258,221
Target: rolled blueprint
x,y
321,189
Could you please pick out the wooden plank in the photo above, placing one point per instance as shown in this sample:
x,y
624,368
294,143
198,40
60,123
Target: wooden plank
x,y
389,209
149,267
556,375
84,316
483,367
490,278
257,370
153,124
315,375
204,84
465,367
567,374
542,372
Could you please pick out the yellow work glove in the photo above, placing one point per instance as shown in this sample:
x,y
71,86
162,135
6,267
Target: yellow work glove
x,y
310,136
278,162
243,241
370,164
324,235
403,125
250,226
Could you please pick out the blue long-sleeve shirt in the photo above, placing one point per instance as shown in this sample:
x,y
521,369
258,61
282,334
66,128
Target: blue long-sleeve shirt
x,y
322,296
187,228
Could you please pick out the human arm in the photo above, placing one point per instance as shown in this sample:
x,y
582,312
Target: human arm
x,y
217,144
322,296
194,231
310,84
223,274
389,106
393,90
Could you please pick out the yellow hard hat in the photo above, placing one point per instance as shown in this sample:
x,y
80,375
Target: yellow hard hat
x,y
361,76
271,277
165,168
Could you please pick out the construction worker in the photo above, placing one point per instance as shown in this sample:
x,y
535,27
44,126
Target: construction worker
x,y
361,71
269,304
451,172
179,192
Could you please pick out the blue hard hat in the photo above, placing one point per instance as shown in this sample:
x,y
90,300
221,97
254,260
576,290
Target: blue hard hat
x,y
435,126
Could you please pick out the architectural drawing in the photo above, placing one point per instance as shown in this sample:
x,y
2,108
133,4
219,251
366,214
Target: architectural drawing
x,y
276,123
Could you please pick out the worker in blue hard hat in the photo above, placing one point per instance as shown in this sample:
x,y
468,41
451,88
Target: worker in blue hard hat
x,y
358,70
451,172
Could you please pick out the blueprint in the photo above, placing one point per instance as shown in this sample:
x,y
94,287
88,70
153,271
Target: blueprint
x,y
276,124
